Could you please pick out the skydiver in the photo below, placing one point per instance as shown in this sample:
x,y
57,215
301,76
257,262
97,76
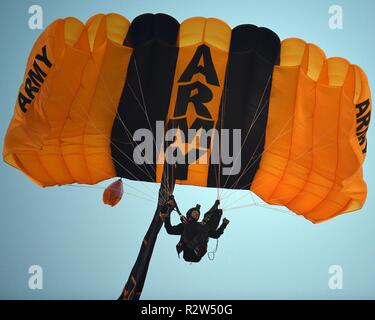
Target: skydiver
x,y
194,233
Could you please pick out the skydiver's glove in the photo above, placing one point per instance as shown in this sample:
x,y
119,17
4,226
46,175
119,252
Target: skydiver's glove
x,y
163,216
171,202
164,209
216,204
168,206
225,221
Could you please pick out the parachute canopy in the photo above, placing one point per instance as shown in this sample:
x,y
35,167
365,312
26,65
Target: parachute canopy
x,y
88,89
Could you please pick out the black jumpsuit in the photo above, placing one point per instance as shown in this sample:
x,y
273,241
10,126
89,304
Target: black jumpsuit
x,y
194,235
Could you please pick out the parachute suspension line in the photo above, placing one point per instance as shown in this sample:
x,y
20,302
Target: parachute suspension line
x,y
166,172
169,171
211,254
247,167
169,175
262,204
122,166
112,143
170,178
128,186
139,197
221,112
296,158
149,196
239,207
252,197
242,197
172,181
275,199
127,132
288,212
109,140
256,116
282,133
306,153
146,171
126,129
218,191
267,206
83,186
246,137
141,89
144,109
251,162
101,188
143,97
217,180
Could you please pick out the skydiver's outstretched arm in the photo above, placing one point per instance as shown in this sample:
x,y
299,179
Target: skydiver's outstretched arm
x,y
215,234
176,230
215,206
165,215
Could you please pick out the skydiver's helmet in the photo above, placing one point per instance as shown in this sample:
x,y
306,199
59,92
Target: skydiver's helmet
x,y
190,211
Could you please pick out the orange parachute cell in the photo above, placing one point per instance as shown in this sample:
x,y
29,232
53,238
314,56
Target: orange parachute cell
x,y
113,193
